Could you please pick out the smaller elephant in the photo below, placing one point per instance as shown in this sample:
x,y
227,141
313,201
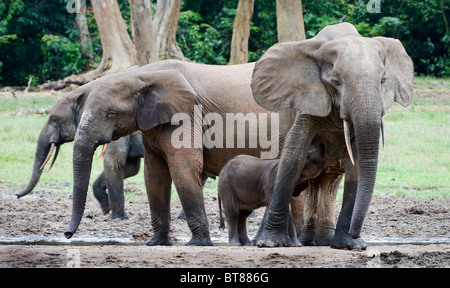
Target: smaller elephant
x,y
246,183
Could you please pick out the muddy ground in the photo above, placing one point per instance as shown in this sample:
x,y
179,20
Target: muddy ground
x,y
402,231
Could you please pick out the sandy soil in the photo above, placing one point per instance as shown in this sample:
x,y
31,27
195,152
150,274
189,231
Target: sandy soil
x,y
402,231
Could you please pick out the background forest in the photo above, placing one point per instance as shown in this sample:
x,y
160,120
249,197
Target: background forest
x,y
40,40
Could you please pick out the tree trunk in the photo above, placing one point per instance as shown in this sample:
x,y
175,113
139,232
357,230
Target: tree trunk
x,y
290,27
141,22
118,49
85,40
241,32
165,27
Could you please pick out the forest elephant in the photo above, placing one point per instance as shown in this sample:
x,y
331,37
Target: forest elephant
x,y
246,183
193,118
121,160
341,85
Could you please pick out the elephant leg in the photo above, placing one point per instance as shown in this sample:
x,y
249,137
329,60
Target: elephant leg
x,y
182,215
297,204
186,174
293,233
158,185
307,236
341,239
274,227
232,222
115,165
100,194
242,227
326,223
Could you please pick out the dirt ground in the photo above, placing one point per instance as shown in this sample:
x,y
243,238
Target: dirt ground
x,y
401,231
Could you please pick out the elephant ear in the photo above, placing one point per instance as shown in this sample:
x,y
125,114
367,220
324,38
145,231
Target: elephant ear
x,y
288,76
399,83
166,93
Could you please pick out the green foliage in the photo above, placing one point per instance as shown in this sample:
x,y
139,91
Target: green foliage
x,y
62,57
40,38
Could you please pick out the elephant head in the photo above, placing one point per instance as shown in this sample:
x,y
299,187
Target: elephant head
x,y
357,77
60,128
118,105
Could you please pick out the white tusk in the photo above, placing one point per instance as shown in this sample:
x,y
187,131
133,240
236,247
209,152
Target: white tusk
x,y
347,141
103,152
382,130
48,156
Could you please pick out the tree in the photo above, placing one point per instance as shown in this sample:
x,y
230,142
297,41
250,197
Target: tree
x,y
241,32
118,50
83,31
142,31
165,27
290,27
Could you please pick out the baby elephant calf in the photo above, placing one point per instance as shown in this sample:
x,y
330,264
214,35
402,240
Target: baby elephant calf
x,y
246,183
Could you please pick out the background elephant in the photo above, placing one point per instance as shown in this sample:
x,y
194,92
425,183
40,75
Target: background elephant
x,y
146,99
122,158
246,183
341,85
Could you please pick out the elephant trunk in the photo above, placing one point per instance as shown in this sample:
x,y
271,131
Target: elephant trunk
x,y
83,152
44,149
366,124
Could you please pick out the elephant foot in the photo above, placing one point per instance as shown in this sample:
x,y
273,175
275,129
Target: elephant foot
x,y
245,242
118,215
324,237
273,238
295,242
307,238
344,241
156,241
200,241
106,210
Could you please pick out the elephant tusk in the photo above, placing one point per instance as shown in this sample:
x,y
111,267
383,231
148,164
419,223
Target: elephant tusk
x,y
105,146
48,156
347,141
382,130
54,158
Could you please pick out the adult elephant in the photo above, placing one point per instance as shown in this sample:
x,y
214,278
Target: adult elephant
x,y
147,99
122,159
341,85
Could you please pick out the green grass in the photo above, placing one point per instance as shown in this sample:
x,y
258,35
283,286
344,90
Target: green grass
x,y
415,161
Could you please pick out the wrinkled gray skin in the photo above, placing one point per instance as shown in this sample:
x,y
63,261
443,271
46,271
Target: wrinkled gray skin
x,y
122,159
146,99
333,80
246,183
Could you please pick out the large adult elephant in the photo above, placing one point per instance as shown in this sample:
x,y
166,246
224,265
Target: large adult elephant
x,y
341,85
122,159
147,99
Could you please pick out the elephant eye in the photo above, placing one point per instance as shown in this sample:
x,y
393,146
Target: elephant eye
x,y
336,82
112,115
383,79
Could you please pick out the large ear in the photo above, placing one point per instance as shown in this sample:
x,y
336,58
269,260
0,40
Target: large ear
x,y
399,83
288,76
167,92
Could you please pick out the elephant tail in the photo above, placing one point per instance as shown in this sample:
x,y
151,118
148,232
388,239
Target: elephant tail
x,y
222,222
